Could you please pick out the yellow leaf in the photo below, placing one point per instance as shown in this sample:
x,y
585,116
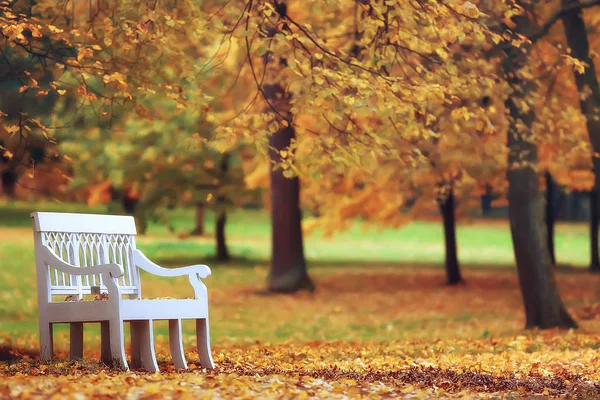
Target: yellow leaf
x,y
54,29
7,154
471,9
273,127
35,32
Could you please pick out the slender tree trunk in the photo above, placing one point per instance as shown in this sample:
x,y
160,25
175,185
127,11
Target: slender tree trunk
x,y
130,206
222,250
486,200
595,252
578,42
550,213
542,302
452,266
9,183
199,228
129,203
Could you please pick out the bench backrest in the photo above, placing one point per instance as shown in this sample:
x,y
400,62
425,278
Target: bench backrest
x,y
85,240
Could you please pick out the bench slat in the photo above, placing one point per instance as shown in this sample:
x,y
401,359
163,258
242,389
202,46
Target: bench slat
x,y
83,223
86,249
60,290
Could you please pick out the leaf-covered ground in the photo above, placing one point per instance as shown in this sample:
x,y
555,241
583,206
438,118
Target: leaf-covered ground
x,y
545,365
371,329
381,332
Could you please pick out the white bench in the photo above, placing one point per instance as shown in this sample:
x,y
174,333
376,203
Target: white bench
x,y
85,254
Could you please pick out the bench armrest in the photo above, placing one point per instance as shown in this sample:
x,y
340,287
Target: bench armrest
x,y
203,271
50,258
194,272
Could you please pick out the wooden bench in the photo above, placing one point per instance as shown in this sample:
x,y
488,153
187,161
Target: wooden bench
x,y
83,254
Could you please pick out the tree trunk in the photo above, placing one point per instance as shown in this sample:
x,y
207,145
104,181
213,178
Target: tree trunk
x,y
486,200
222,251
594,256
578,42
550,213
199,228
129,203
543,305
9,183
288,271
452,266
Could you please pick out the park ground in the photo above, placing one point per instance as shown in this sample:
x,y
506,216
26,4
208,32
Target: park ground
x,y
380,324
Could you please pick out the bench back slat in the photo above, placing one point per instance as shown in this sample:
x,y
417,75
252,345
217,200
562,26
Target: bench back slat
x,y
83,223
84,243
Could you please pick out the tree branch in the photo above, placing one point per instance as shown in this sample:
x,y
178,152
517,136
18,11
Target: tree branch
x,y
545,28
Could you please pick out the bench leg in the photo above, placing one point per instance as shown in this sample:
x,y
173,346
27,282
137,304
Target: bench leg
x,y
105,343
203,342
176,344
46,341
76,345
113,343
142,346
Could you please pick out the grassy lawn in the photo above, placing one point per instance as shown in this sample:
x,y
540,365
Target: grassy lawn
x,y
480,242
413,253
380,294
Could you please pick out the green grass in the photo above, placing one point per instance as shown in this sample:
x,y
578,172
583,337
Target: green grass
x,y
415,247
248,232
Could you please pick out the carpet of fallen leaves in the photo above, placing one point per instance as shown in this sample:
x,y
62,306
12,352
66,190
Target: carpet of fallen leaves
x,y
381,333
548,365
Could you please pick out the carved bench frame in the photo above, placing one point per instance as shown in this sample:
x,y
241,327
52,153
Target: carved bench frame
x,y
86,254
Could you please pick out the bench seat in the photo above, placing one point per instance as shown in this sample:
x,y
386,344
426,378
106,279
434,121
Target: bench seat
x,y
131,310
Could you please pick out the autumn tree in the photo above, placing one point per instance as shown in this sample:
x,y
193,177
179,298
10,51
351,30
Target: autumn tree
x,y
380,113
543,305
374,104
589,99
288,271
27,100
68,53
156,160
